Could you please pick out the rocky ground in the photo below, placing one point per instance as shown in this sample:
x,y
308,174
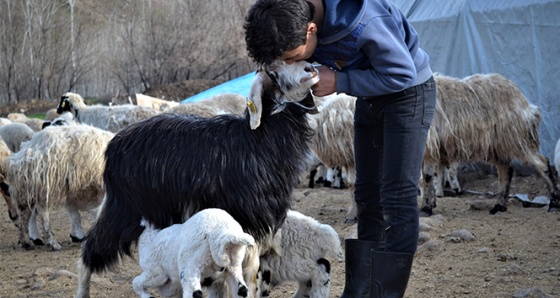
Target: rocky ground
x,y
464,251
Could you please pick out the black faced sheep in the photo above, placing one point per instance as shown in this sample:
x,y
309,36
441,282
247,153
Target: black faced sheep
x,y
111,118
168,167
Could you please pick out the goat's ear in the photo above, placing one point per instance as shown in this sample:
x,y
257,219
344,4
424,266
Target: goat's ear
x,y
254,102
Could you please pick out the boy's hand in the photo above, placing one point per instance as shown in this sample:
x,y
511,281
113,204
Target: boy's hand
x,y
327,82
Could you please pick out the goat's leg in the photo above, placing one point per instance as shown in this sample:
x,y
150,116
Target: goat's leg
x,y
76,232
505,174
33,230
43,213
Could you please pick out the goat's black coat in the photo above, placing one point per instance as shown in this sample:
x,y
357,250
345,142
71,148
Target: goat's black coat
x,y
167,167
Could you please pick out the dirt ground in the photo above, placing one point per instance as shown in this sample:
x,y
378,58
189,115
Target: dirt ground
x,y
512,254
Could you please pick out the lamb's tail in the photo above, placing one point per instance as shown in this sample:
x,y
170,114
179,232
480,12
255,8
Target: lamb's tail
x,y
116,228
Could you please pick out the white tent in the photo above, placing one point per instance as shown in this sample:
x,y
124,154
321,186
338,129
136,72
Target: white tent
x,y
519,39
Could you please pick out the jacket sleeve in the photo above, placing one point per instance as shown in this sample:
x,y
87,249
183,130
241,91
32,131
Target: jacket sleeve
x,y
383,41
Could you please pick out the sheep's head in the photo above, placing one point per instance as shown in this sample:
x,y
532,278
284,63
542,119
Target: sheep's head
x,y
284,82
67,100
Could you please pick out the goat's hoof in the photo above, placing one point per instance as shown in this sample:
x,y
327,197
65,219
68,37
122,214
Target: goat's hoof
x,y
243,291
350,221
327,184
426,212
76,239
197,294
38,242
498,208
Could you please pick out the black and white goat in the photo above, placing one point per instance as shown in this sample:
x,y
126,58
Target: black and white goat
x,y
168,167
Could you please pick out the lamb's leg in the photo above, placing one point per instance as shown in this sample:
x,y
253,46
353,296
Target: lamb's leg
x,y
318,286
151,278
505,173
76,232
236,284
190,280
84,280
33,231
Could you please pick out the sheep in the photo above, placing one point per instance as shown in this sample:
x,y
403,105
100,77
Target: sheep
x,y
212,106
60,165
51,114
14,134
5,152
34,123
4,121
305,245
64,119
183,255
111,118
247,166
486,118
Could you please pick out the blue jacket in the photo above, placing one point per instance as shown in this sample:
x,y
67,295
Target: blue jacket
x,y
372,46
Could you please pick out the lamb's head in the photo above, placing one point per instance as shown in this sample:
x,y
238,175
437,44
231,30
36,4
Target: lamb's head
x,y
280,83
67,101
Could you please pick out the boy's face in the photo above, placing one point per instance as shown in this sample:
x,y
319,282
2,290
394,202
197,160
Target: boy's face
x,y
304,51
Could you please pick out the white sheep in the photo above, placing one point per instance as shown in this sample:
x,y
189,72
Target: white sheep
x,y
64,119
111,118
5,152
16,133
184,255
60,165
305,244
34,123
484,118
215,105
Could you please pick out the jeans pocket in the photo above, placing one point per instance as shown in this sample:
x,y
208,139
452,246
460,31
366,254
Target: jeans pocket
x,y
429,102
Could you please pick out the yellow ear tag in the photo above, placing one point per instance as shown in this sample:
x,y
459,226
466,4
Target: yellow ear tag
x,y
252,107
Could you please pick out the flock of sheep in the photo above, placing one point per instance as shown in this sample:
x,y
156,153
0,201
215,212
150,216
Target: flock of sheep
x,y
155,176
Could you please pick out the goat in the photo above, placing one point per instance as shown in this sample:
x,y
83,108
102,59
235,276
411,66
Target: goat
x,y
247,166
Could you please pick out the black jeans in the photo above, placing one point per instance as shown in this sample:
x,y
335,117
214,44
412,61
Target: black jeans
x,y
390,136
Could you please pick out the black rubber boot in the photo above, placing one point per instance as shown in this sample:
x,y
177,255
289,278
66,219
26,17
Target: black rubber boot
x,y
371,273
391,271
358,267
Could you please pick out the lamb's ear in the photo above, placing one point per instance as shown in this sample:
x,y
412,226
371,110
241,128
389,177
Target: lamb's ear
x,y
254,102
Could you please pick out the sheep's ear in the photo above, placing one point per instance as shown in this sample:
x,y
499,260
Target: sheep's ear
x,y
254,102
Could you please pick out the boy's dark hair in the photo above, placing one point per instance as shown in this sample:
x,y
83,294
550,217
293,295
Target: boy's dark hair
x,y
275,26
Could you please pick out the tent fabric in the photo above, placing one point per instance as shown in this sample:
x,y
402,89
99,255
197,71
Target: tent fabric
x,y
516,38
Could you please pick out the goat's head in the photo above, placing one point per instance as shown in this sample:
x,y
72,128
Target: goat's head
x,y
66,101
288,83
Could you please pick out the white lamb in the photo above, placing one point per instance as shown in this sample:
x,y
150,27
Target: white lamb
x,y
185,255
304,244
111,118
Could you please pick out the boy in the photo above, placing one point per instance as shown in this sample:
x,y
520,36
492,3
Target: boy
x,y
367,49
